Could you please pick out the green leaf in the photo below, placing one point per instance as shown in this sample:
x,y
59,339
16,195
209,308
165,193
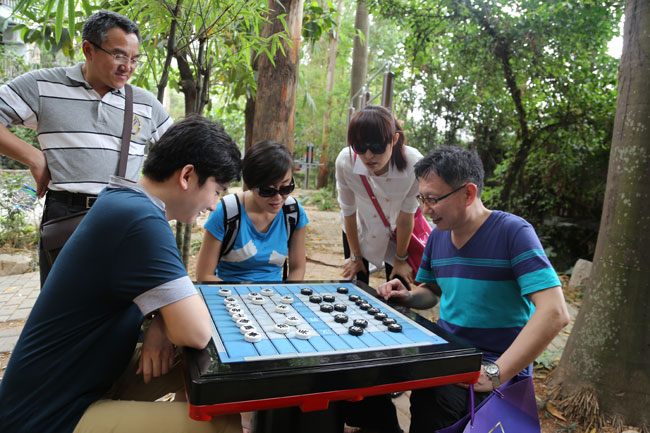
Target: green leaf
x,y
46,15
58,27
71,18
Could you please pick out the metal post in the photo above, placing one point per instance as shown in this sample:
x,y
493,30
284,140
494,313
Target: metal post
x,y
387,90
309,159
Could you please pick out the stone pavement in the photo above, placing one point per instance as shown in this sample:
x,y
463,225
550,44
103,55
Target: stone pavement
x,y
17,296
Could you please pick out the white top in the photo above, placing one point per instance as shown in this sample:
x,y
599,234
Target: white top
x,y
395,192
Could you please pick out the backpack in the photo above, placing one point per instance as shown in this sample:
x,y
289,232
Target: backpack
x,y
231,222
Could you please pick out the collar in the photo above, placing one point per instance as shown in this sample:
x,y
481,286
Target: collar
x,y
120,182
392,173
76,74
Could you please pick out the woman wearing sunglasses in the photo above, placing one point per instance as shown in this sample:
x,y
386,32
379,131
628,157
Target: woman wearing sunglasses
x,y
261,245
377,151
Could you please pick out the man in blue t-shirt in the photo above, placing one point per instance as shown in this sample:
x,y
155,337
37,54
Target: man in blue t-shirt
x,y
497,289
76,354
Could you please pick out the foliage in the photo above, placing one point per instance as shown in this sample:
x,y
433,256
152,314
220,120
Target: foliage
x,y
15,202
324,199
536,101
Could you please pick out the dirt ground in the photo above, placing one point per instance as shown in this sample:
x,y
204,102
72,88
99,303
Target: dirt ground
x,y
325,262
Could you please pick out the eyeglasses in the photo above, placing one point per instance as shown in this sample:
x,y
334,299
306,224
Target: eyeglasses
x,y
433,200
121,59
269,191
376,148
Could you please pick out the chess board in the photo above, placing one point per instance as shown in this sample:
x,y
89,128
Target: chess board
x,y
269,321
269,351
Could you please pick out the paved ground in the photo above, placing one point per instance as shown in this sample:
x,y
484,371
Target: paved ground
x,y
17,296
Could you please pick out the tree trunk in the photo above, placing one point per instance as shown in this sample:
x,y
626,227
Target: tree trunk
x,y
609,347
275,103
359,53
331,69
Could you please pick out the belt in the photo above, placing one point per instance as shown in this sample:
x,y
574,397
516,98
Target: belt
x,y
72,198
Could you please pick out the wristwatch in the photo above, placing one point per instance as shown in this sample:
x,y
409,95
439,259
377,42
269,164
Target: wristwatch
x,y
355,258
492,371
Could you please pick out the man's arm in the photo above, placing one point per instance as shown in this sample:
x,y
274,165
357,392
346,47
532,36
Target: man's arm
x,y
187,322
420,297
23,152
550,316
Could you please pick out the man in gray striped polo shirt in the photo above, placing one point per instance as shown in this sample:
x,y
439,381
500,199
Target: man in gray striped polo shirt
x,y
78,113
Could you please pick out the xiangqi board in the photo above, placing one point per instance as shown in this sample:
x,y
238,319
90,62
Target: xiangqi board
x,y
308,343
272,321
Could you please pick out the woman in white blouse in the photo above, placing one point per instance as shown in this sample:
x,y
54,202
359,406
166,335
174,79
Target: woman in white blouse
x,y
376,149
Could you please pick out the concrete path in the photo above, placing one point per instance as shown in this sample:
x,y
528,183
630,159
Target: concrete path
x,y
17,296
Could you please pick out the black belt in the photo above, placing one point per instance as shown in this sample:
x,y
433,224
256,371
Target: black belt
x,y
72,198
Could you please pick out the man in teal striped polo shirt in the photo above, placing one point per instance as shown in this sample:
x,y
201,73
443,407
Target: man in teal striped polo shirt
x,y
497,289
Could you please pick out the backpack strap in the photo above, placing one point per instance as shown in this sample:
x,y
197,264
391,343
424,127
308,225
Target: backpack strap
x,y
231,222
291,217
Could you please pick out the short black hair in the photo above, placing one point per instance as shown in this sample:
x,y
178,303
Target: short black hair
x,y
98,24
266,163
376,124
198,141
454,164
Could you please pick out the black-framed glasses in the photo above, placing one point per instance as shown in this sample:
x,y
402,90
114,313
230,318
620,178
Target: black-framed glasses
x,y
376,148
433,200
121,59
269,191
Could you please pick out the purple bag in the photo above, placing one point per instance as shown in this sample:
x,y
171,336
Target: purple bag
x,y
510,408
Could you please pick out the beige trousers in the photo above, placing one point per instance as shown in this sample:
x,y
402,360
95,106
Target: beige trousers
x,y
130,407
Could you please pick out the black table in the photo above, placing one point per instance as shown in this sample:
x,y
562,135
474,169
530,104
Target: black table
x,y
311,382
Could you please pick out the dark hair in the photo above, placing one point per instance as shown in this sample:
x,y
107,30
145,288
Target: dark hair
x,y
266,163
198,141
98,24
455,165
375,124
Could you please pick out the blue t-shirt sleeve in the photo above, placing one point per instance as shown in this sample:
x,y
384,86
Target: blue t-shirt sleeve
x,y
529,262
151,260
214,225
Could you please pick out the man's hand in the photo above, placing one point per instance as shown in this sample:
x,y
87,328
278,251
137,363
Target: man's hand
x,y
393,289
158,352
484,383
41,175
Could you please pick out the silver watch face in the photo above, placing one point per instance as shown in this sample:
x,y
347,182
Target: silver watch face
x,y
492,369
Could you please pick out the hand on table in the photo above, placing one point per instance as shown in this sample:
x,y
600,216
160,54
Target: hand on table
x,y
352,268
393,289
403,270
158,353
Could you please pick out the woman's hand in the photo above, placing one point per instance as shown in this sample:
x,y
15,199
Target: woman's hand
x,y
352,267
403,269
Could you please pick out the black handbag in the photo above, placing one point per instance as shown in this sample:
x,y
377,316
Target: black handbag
x,y
56,232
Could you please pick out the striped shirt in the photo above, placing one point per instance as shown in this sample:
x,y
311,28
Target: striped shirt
x,y
486,283
80,133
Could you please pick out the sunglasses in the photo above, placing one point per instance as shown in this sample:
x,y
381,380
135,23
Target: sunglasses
x,y
269,191
376,148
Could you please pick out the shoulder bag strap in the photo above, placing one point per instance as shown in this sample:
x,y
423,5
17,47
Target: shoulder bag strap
x,y
126,131
364,180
